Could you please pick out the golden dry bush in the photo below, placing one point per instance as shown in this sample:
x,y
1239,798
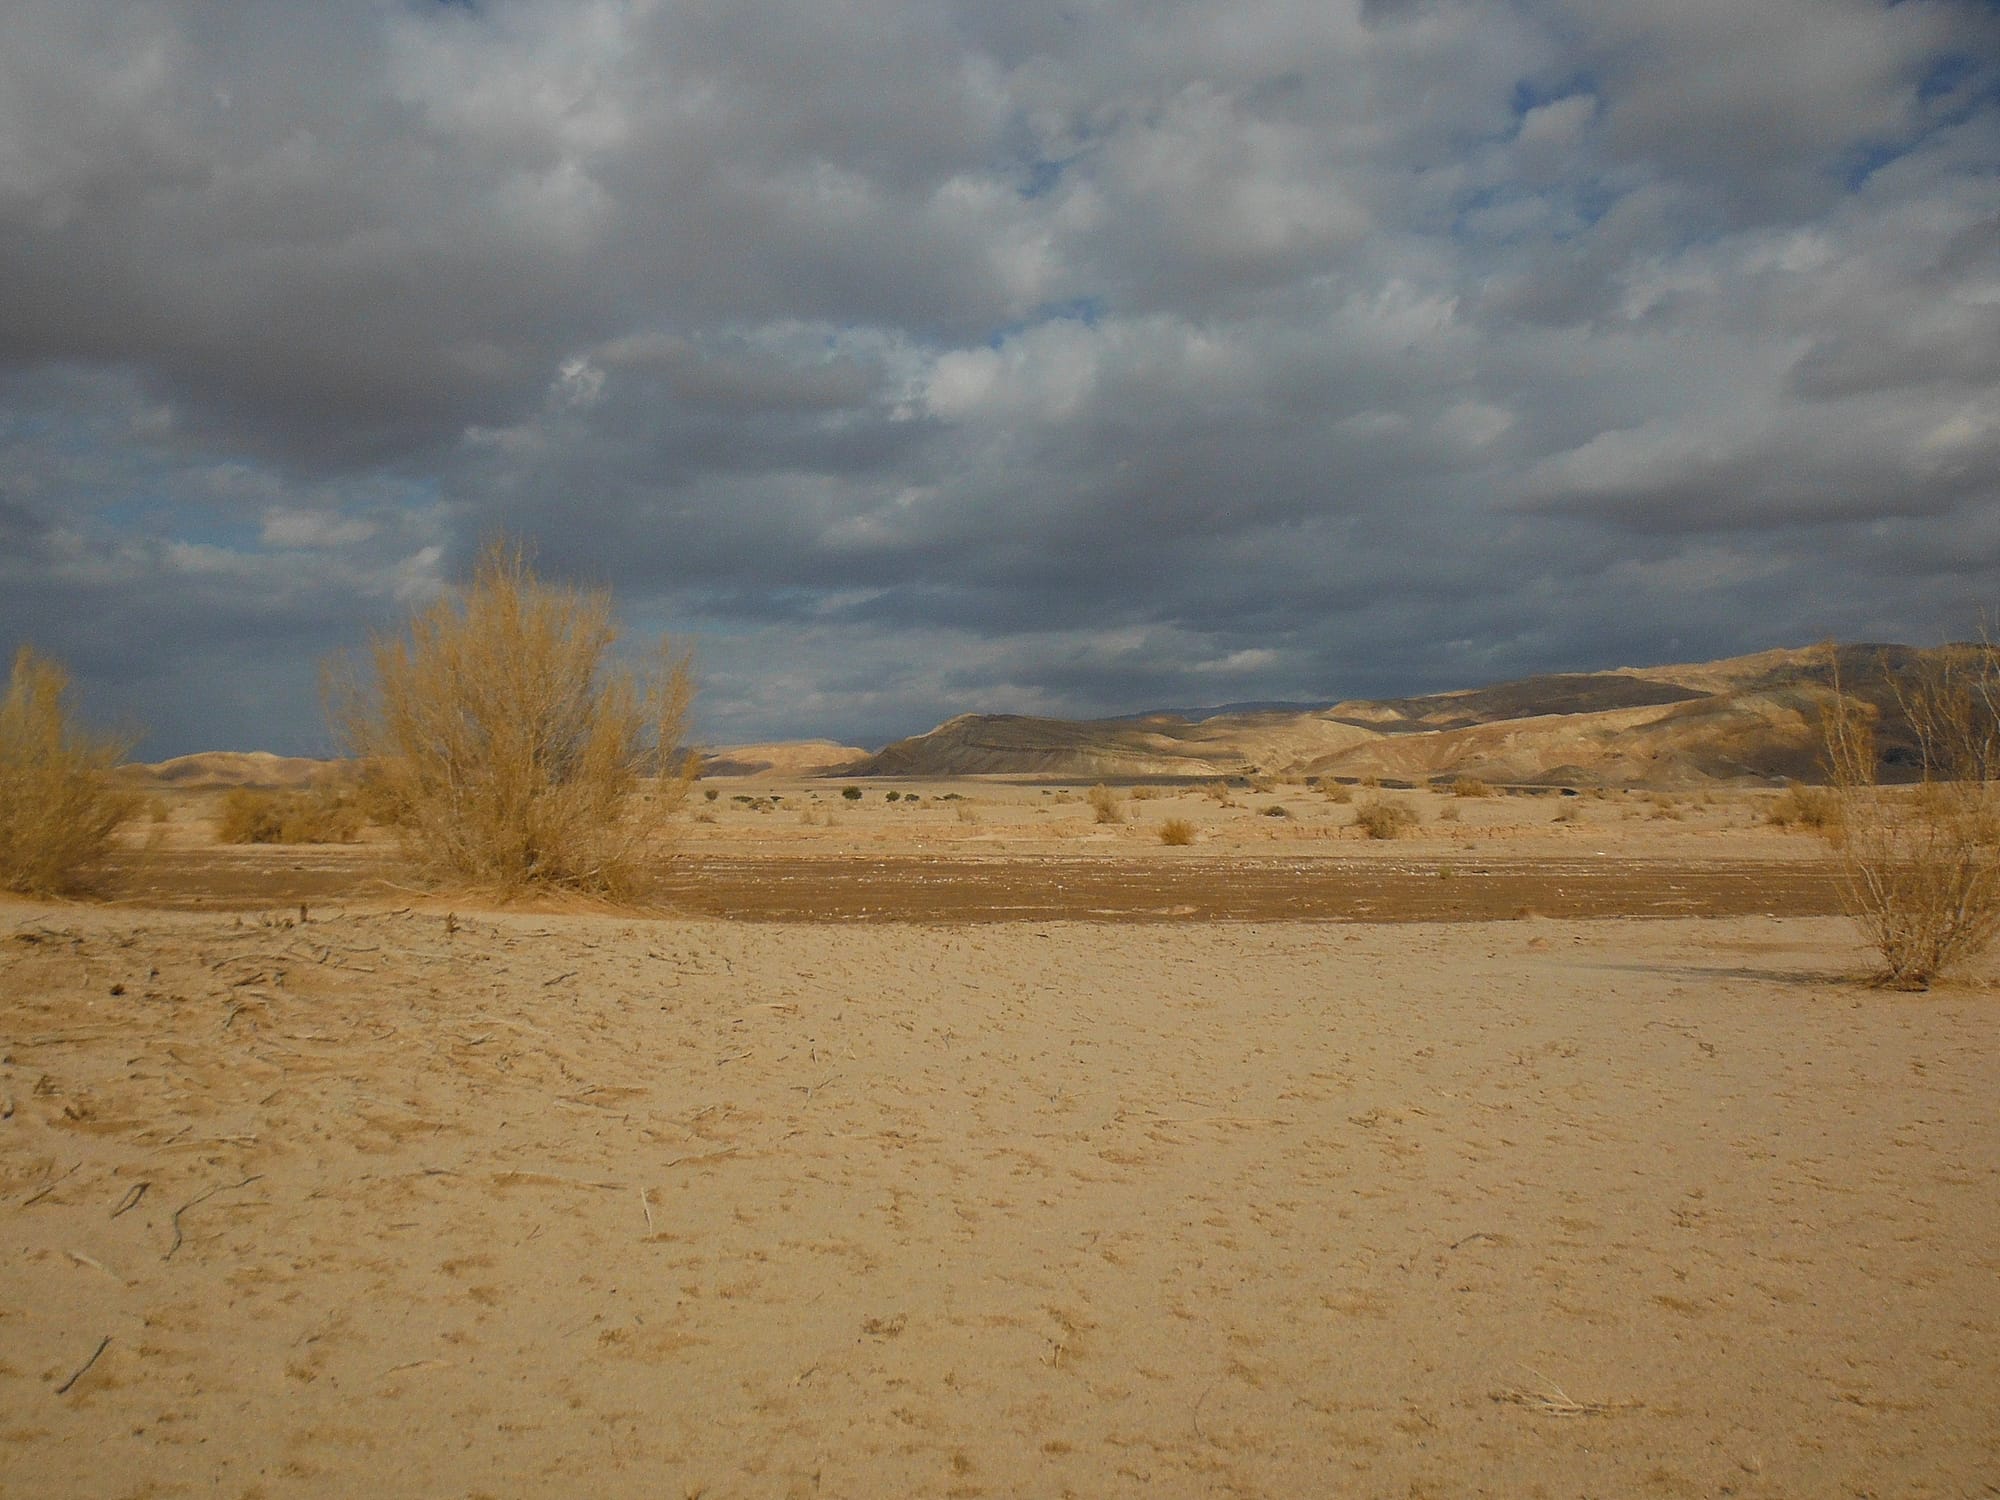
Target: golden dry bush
x,y
1470,786
1105,804
1814,808
328,812
58,806
511,749
1921,863
1177,831
1385,818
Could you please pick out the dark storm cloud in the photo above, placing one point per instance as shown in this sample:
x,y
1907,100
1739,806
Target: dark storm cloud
x,y
917,356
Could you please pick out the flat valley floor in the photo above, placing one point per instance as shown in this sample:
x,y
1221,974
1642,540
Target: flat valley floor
x,y
415,1199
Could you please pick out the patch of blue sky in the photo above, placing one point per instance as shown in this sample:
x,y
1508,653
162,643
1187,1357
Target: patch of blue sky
x,y
1088,311
1042,178
1532,93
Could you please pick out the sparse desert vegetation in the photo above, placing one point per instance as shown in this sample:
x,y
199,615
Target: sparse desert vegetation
x,y
1384,818
1815,809
1177,831
514,750
329,813
1922,862
58,804
1105,805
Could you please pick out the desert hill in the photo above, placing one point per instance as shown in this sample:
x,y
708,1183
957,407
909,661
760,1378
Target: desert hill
x,y
1749,718
223,770
782,758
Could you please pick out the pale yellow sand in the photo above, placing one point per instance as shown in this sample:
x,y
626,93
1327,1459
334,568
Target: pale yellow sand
x,y
586,1205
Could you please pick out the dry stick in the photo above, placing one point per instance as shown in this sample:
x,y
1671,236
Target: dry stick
x,y
707,1156
220,1187
38,1197
102,1344
648,1207
131,1199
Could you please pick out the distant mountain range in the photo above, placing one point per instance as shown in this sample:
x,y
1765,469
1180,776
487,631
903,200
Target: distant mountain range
x,y
1743,719
1748,718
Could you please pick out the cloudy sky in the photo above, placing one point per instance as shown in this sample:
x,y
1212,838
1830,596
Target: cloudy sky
x,y
915,357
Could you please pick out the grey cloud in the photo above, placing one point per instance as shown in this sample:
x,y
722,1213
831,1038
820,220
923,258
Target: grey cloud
x,y
918,356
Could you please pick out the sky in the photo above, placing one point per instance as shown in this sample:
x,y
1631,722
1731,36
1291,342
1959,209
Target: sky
x,y
910,358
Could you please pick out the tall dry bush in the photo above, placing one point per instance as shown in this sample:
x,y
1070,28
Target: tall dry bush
x,y
1105,805
1921,863
509,748
58,806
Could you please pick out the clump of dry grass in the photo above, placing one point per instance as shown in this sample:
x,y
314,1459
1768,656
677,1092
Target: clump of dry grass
x,y
1815,808
1921,864
1337,792
58,807
327,813
1384,818
514,752
1105,804
1177,831
1470,786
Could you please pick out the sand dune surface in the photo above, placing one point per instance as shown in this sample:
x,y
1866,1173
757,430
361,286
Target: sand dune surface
x,y
403,1200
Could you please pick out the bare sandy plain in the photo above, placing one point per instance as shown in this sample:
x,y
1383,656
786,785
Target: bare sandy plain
x,y
1057,1162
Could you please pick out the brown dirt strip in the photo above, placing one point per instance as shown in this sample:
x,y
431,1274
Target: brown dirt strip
x,y
821,888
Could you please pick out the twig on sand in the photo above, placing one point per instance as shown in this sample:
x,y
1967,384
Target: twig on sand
x,y
554,1179
131,1199
1551,1400
38,1197
704,1156
203,1197
645,1204
102,1344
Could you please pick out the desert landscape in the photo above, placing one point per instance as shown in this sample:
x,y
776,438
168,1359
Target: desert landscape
x,y
958,1134
1080,751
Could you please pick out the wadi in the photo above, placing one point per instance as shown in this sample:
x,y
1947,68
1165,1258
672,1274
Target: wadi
x,y
1481,1094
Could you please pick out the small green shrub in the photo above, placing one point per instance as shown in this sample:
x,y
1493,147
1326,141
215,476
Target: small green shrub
x,y
851,793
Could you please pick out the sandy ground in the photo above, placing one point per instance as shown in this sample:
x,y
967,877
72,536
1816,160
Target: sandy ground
x,y
550,1205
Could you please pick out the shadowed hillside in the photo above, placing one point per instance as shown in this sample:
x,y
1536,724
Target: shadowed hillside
x,y
1751,718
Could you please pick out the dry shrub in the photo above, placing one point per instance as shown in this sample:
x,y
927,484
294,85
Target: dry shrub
x,y
1177,831
58,807
1815,808
1105,804
1383,818
1337,792
1921,864
329,812
1470,786
514,752
1144,793
967,813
